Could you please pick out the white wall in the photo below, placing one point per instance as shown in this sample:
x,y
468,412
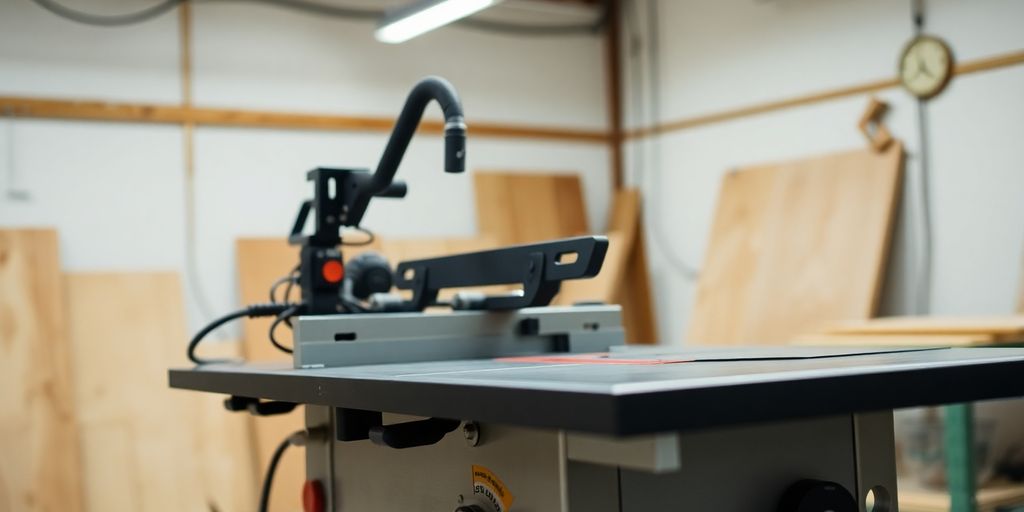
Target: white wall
x,y
722,54
116,191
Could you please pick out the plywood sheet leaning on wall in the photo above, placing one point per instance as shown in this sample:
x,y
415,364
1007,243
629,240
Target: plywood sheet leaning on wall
x,y
38,440
797,247
144,445
518,208
624,277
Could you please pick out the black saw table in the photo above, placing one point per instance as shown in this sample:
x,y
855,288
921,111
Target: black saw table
x,y
637,429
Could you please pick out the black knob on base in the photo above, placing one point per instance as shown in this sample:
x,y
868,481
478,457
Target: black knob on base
x,y
817,496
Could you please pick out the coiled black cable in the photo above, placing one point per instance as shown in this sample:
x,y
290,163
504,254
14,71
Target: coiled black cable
x,y
283,316
253,311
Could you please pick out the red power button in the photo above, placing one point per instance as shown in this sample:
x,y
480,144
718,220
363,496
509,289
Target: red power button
x,y
332,271
313,496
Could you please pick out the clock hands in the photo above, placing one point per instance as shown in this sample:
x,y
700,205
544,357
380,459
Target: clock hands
x,y
922,67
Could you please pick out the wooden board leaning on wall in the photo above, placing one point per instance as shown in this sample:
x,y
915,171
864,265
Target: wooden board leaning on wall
x,y
86,417
797,247
39,465
518,208
145,446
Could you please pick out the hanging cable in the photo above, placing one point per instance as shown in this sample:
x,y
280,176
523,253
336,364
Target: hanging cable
x,y
678,263
320,9
283,316
923,276
370,237
108,20
290,279
298,438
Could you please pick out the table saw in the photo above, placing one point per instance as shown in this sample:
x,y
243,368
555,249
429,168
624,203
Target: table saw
x,y
543,409
503,403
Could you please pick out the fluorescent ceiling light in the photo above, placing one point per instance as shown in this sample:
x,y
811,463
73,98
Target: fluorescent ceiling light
x,y
421,17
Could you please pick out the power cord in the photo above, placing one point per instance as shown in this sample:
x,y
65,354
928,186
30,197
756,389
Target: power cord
x,y
283,316
658,234
923,278
370,237
103,20
290,279
298,438
253,311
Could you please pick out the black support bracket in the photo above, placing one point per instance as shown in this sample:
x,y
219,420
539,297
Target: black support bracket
x,y
258,407
539,268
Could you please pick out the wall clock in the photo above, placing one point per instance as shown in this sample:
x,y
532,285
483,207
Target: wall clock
x,y
926,66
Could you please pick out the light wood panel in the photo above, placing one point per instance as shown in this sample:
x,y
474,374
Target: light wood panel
x,y
61,108
622,233
633,290
518,208
797,247
144,445
989,498
1008,325
636,297
38,441
896,340
624,277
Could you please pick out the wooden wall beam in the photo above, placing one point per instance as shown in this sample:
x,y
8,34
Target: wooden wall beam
x,y
51,108
613,72
964,68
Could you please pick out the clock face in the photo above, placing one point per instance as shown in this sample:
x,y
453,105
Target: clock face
x,y
926,66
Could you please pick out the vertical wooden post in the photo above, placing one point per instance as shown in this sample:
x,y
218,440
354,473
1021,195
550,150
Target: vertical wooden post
x,y
185,40
613,73
188,158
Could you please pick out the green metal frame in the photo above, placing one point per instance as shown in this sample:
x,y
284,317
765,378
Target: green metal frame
x,y
958,440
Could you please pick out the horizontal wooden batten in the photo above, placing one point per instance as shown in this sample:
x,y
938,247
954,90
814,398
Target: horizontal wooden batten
x,y
172,114
964,68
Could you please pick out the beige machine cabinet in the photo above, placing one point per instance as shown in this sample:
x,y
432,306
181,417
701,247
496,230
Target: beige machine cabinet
x,y
736,469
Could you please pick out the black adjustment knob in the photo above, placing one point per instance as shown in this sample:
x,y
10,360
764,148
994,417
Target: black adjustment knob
x,y
369,273
469,508
817,496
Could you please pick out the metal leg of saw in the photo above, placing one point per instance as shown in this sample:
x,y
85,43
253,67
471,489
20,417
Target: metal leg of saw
x,y
735,469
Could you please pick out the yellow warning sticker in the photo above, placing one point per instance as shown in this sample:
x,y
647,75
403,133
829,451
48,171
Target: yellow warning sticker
x,y
490,488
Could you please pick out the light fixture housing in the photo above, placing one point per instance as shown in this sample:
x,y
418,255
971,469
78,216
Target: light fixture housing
x,y
426,15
